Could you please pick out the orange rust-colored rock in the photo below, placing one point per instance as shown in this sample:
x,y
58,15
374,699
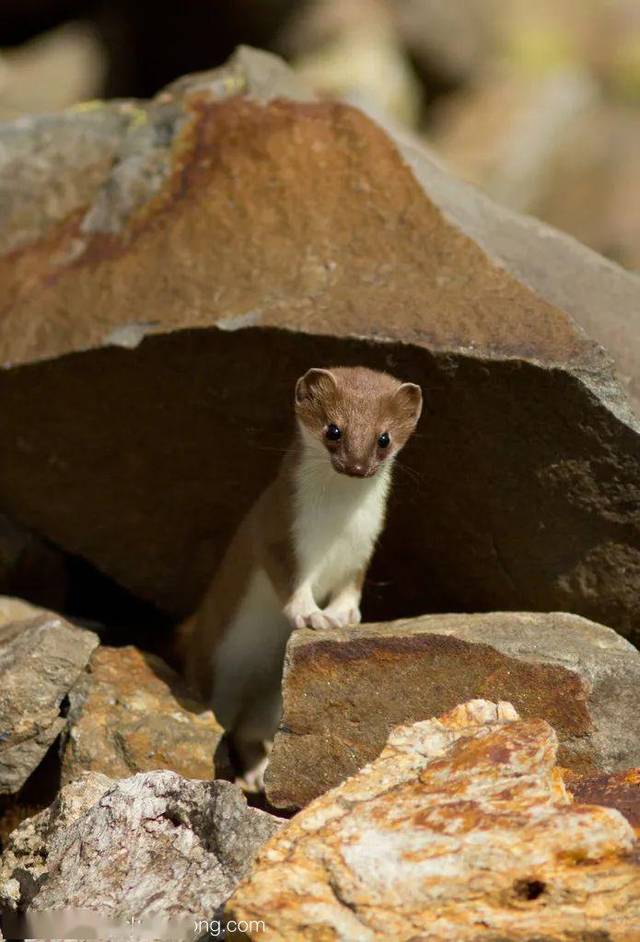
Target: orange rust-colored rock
x,y
169,268
132,713
343,691
462,830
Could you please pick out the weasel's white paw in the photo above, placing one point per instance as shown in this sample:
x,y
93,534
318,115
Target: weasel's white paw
x,y
343,617
310,619
253,779
319,620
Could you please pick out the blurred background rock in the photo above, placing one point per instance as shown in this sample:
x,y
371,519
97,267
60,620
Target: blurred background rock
x,y
537,103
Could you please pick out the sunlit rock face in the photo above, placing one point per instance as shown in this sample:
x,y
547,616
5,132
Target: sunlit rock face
x,y
461,829
169,268
344,691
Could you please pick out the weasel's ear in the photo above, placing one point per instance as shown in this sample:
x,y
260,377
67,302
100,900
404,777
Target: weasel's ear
x,y
409,400
313,382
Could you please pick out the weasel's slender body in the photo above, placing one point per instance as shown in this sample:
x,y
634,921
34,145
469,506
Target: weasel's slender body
x,y
300,556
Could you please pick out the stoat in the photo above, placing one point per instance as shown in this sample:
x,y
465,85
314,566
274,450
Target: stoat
x,y
300,555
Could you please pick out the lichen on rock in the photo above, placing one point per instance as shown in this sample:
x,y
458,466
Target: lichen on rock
x,y
461,829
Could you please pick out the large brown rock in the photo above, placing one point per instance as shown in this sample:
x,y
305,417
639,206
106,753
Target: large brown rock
x,y
619,790
343,691
154,851
462,830
156,257
129,713
31,568
41,657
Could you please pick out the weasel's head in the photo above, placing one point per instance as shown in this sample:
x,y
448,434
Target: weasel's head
x,y
358,418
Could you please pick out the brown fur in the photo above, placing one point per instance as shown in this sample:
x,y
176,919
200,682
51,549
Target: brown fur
x,y
363,404
264,537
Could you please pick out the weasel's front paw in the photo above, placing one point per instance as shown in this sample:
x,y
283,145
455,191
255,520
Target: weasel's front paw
x,y
343,617
314,618
253,779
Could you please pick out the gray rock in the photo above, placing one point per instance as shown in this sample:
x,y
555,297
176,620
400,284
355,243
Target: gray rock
x,y
41,657
24,859
345,690
154,849
233,222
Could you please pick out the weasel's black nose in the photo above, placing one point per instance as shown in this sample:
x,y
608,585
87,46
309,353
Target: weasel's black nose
x,y
356,470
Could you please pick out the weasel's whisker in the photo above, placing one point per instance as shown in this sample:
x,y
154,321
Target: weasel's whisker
x,y
410,472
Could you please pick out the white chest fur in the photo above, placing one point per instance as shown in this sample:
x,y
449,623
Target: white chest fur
x,y
337,521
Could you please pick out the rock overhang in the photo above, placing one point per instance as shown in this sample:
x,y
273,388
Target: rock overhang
x,y
245,231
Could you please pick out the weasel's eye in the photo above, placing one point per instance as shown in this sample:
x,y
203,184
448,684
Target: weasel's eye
x,y
384,440
333,433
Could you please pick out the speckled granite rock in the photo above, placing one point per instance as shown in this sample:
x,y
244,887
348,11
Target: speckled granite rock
x,y
148,249
24,859
462,830
41,657
344,691
129,713
154,847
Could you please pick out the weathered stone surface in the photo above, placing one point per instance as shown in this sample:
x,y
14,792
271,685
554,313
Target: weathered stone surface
x,y
132,713
344,691
24,859
154,847
462,830
233,222
597,198
504,133
518,136
619,790
41,657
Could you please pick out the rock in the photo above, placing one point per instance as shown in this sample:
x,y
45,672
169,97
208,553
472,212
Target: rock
x,y
132,713
598,199
344,691
13,611
449,40
24,859
41,657
151,850
57,68
619,790
462,830
550,146
351,49
30,568
504,133
156,256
